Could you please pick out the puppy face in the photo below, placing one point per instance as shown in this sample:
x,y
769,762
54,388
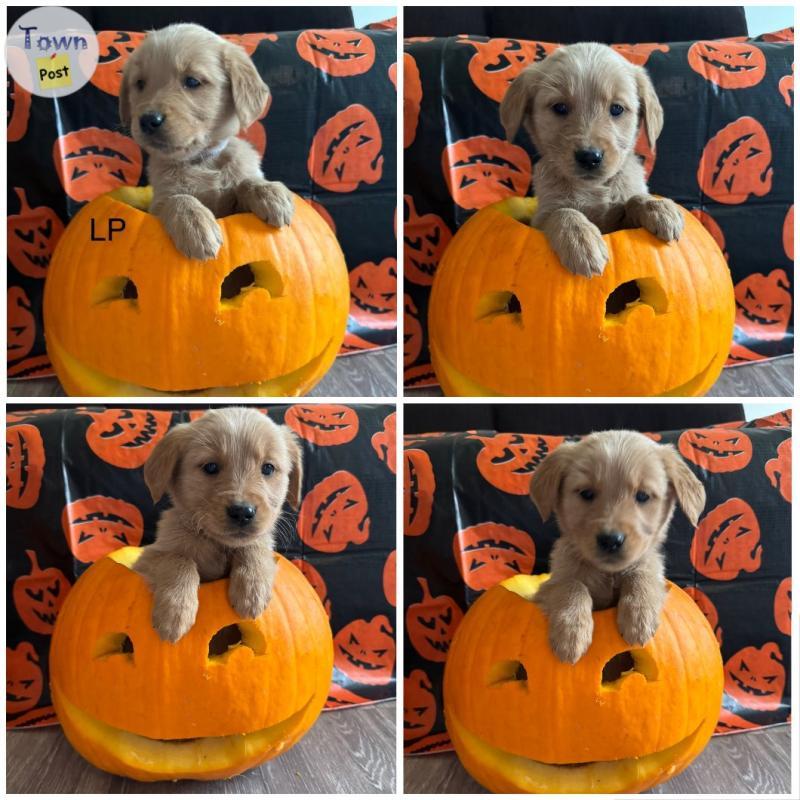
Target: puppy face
x,y
228,474
582,107
186,89
614,493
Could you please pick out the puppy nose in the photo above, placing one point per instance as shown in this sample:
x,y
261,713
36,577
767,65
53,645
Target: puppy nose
x,y
241,513
151,121
610,541
590,158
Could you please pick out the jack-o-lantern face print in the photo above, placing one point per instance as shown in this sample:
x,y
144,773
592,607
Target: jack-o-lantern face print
x,y
779,470
340,53
317,582
781,419
412,332
39,595
114,50
18,105
346,150
365,651
711,225
764,305
20,323
412,99
425,238
373,294
788,234
419,485
497,62
334,514
419,705
323,425
755,677
782,606
736,163
708,608
96,526
490,552
431,623
25,461
24,681
644,152
249,42
786,88
717,449
727,541
482,170
731,65
507,460
32,236
384,442
93,161
126,437
639,54
390,578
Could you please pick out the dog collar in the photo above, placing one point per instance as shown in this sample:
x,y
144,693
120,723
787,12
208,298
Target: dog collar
x,y
210,152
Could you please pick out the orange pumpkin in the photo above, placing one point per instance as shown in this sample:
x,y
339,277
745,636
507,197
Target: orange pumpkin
x,y
523,721
317,582
658,321
39,595
204,708
731,65
32,236
707,607
135,317
712,226
337,52
25,459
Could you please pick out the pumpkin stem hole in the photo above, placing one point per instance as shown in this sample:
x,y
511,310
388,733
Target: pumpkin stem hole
x,y
113,644
507,672
117,287
494,304
626,663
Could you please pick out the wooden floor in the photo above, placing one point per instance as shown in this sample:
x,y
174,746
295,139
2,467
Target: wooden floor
x,y
372,374
348,751
771,379
757,762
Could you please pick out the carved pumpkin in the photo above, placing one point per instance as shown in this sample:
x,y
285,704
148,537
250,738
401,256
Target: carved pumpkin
x,y
18,110
373,294
412,99
658,321
764,305
419,705
755,677
317,582
708,608
364,651
782,606
92,161
731,65
619,721
717,450
482,170
412,331
346,150
389,578
736,163
779,470
334,514
24,682
384,442
419,485
788,234
639,54
507,460
490,552
338,52
431,623
711,225
96,526
125,437
32,236
124,696
114,50
323,424
25,461
727,541
425,238
194,333
39,595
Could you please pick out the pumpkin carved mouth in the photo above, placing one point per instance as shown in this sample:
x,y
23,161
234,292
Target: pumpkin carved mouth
x,y
727,66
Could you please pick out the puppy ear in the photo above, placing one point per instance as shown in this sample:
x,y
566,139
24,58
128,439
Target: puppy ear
x,y
518,100
293,496
250,93
689,491
649,106
546,480
160,468
125,99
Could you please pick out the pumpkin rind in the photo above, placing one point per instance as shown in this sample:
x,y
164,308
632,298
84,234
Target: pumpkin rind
x,y
178,335
176,691
513,736
562,343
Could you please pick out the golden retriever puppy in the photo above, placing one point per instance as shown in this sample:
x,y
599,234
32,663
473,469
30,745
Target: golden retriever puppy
x,y
227,474
185,94
613,495
582,107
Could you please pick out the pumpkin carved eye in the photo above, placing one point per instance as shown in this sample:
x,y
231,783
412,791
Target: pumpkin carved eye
x,y
232,637
508,672
495,304
628,295
112,644
623,664
248,277
117,287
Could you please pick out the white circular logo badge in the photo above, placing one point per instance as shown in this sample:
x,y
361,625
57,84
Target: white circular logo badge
x,y
51,52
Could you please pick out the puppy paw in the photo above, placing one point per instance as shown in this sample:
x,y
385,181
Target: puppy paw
x,y
582,251
172,618
198,235
662,218
248,598
637,622
570,637
272,202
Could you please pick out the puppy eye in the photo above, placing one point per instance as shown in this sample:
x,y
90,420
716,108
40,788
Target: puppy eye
x,y
140,84
587,495
267,469
191,83
616,109
561,109
642,497
212,468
